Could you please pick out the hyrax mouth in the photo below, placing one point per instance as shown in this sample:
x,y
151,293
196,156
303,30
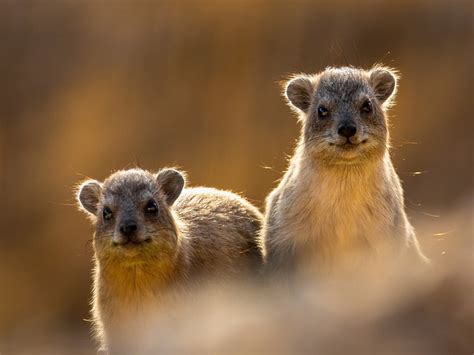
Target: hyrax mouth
x,y
348,144
348,147
132,243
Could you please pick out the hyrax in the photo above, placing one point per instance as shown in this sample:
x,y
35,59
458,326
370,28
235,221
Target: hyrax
x,y
153,240
341,192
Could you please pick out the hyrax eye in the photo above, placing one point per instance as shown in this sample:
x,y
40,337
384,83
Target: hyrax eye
x,y
106,213
366,107
323,112
151,207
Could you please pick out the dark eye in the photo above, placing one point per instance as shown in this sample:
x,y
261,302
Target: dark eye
x,y
151,207
106,213
323,112
366,107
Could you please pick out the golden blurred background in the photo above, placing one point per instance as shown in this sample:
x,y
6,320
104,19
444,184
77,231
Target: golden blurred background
x,y
89,87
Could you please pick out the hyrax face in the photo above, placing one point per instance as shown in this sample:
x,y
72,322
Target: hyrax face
x,y
342,110
131,214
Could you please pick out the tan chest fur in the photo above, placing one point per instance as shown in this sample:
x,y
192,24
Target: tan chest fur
x,y
336,211
125,301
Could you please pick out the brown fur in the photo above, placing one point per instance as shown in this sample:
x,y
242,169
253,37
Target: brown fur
x,y
340,196
203,234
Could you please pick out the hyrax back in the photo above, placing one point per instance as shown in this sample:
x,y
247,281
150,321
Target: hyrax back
x,y
224,229
341,195
153,240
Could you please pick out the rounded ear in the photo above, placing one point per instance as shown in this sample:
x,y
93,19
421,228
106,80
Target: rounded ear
x,y
88,196
384,82
298,92
170,183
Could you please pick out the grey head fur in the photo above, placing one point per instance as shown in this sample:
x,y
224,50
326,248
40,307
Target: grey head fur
x,y
131,207
342,112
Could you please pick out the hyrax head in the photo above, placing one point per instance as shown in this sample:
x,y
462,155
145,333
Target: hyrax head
x,y
343,112
131,212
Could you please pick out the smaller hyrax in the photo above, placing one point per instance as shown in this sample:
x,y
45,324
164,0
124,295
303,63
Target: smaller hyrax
x,y
340,193
153,240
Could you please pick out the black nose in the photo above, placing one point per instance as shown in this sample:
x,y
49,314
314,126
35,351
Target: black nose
x,y
128,228
347,130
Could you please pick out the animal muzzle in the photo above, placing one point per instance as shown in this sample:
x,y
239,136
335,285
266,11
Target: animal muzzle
x,y
128,233
347,130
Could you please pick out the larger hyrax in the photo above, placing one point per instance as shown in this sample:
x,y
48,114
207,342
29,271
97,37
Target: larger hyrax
x,y
340,194
153,241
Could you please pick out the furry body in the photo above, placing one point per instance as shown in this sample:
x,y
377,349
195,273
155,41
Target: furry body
x,y
340,196
201,235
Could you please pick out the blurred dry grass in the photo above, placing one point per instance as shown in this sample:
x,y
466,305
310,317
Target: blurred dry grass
x,y
90,87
